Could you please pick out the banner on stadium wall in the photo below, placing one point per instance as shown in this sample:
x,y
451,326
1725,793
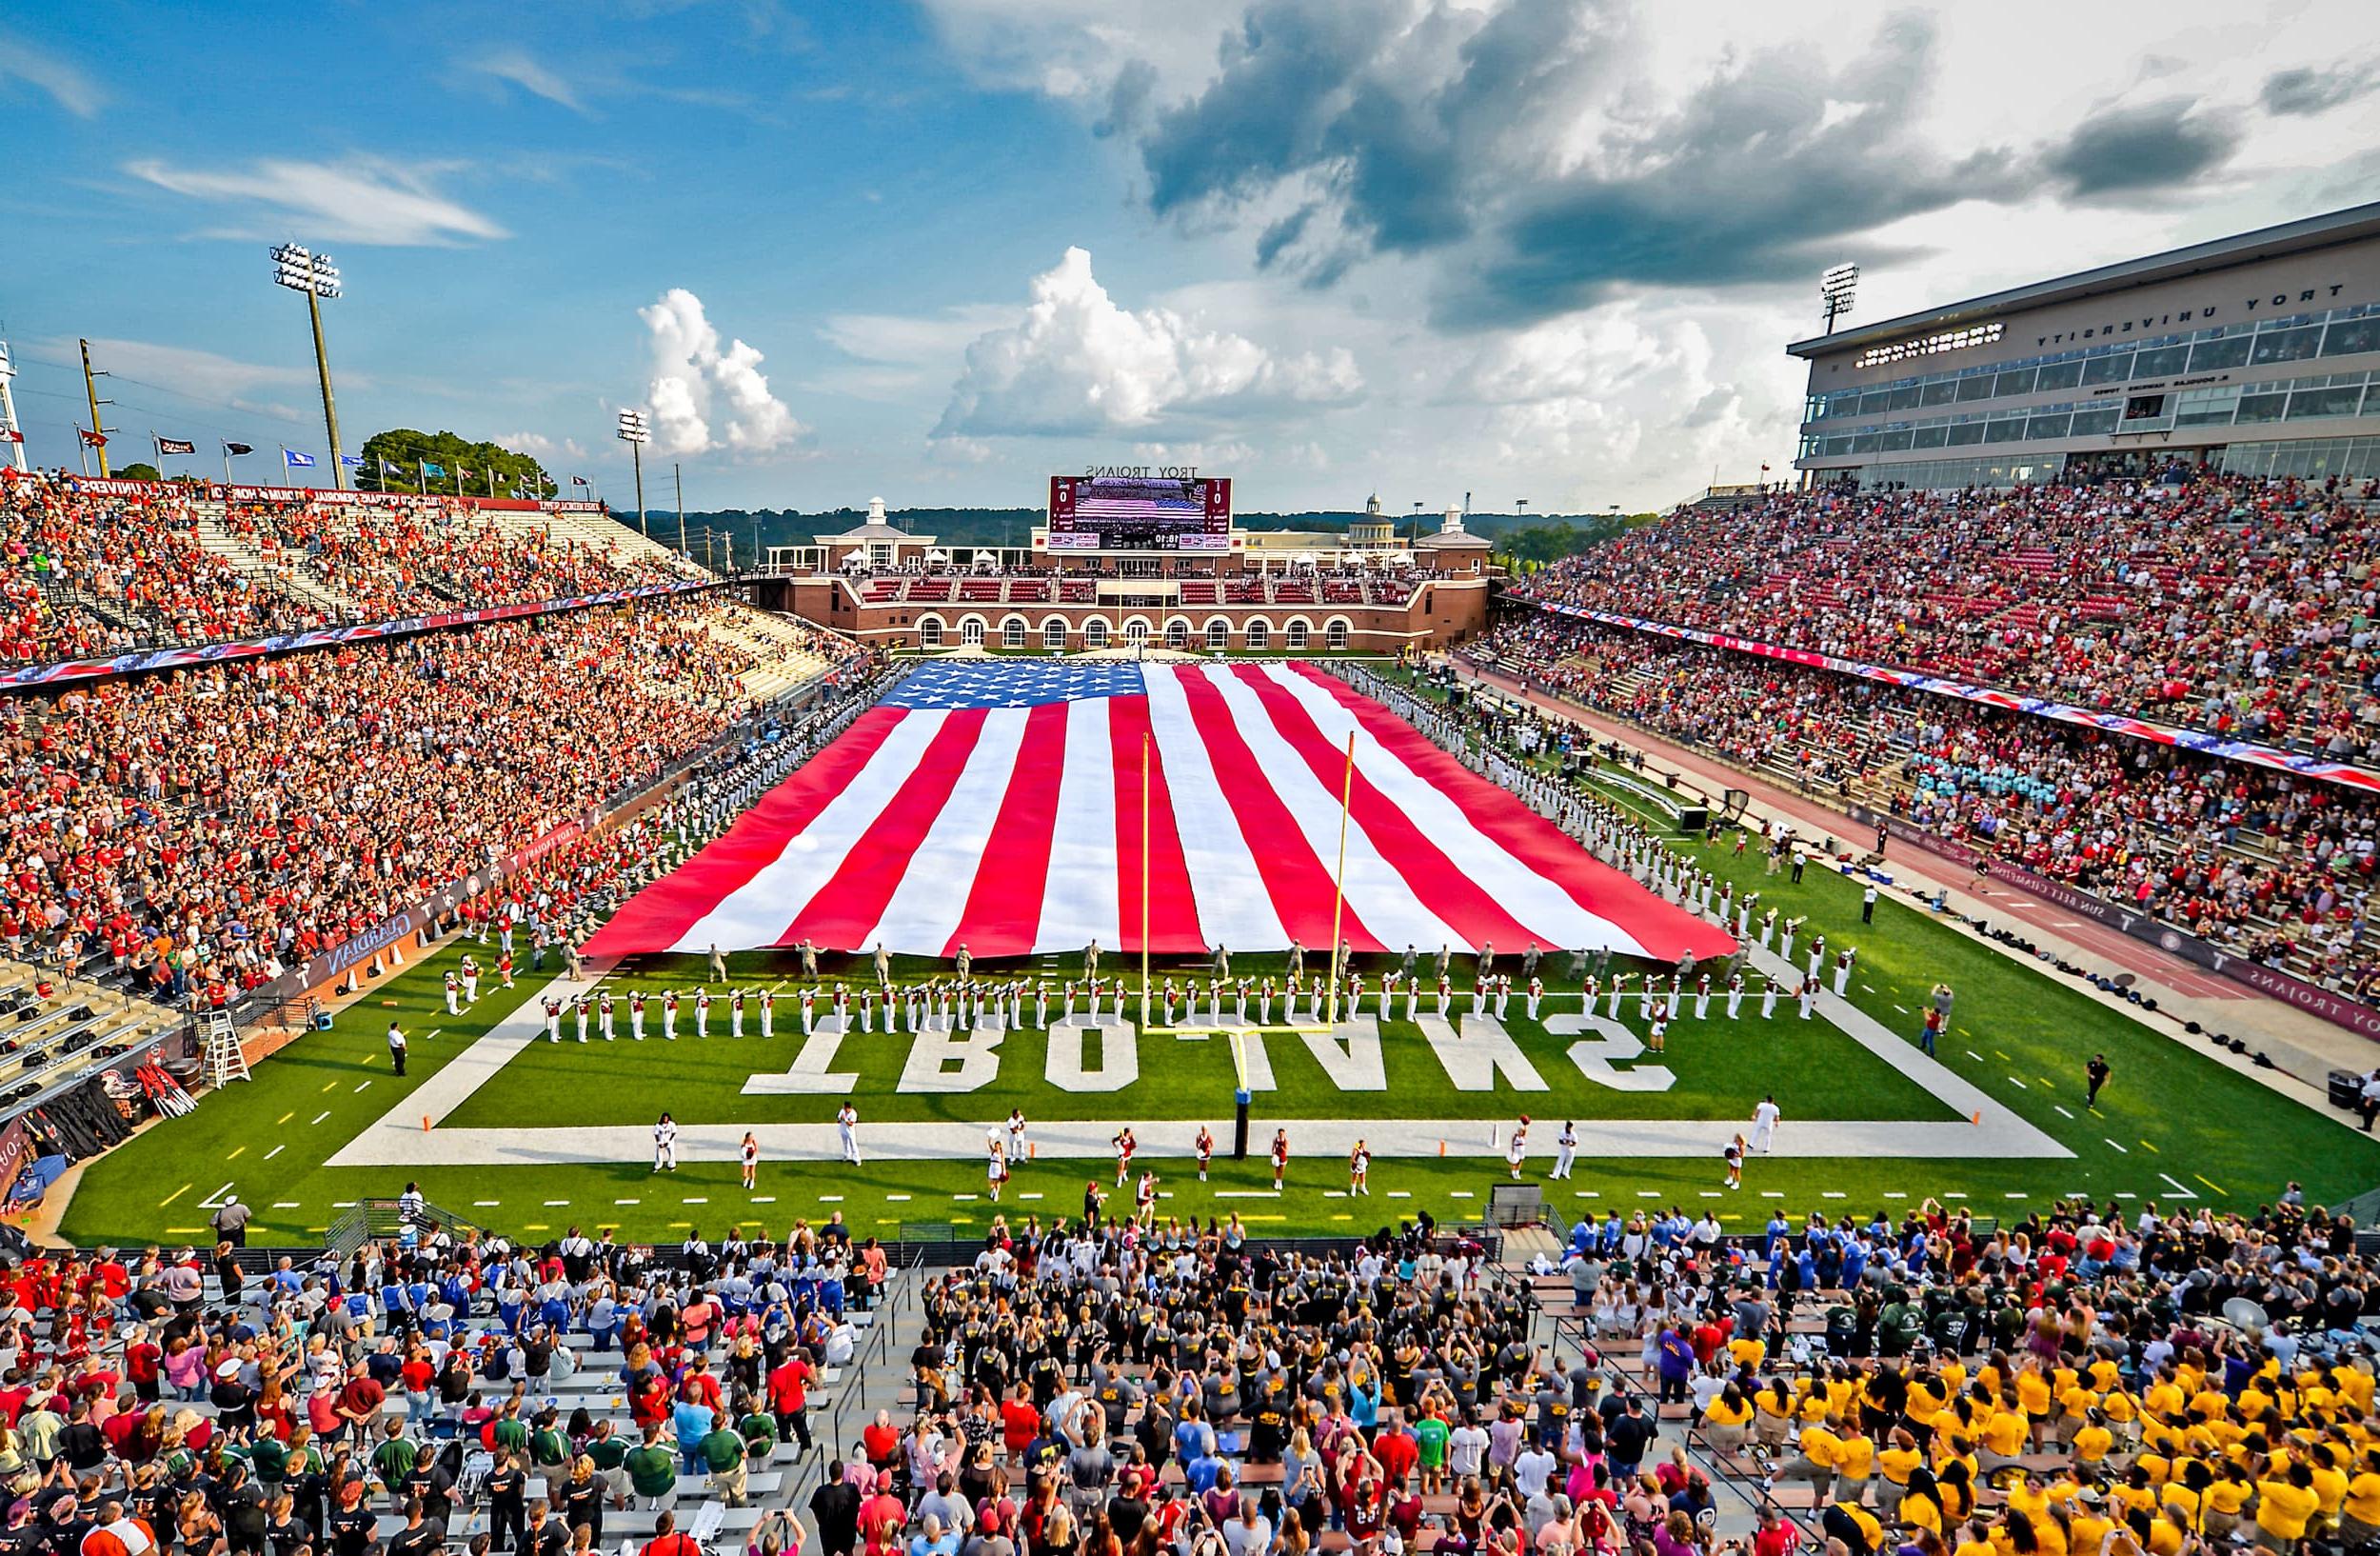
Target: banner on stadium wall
x,y
2345,775
111,486
67,672
2338,1009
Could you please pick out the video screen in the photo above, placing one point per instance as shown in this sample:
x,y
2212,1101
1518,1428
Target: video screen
x,y
1137,513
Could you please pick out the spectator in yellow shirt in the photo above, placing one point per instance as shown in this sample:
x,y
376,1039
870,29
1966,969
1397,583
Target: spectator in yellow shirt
x,y
1725,1419
2224,1498
2094,1441
2359,1515
2283,1506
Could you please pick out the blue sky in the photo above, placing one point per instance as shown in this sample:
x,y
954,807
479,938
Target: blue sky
x,y
1546,250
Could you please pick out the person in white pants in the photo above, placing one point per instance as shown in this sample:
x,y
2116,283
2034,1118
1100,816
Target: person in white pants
x,y
1565,1149
665,1145
847,1128
1764,1121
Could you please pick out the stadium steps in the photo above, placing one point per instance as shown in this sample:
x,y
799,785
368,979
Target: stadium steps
x,y
59,1033
217,538
622,541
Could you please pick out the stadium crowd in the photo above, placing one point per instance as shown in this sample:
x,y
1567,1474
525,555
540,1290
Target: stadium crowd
x,y
200,830
2280,866
86,572
2242,607
430,554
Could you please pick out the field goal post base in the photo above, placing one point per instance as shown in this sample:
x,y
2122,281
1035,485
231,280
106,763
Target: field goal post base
x,y
1240,1095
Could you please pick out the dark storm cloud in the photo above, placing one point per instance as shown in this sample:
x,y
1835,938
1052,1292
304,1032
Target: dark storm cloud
x,y
2305,90
1516,148
2145,148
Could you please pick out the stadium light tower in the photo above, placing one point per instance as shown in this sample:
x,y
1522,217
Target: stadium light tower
x,y
1835,288
633,433
300,269
10,433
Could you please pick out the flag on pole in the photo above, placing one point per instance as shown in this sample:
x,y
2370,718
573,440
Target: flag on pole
x,y
296,461
237,448
578,480
176,445
10,435
95,440
1001,806
429,469
354,461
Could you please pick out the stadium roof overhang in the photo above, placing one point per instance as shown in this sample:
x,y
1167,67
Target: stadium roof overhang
x,y
2357,224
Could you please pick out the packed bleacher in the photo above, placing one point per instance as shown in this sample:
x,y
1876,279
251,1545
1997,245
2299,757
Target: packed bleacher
x,y
359,1404
2085,1381
2239,605
2277,866
86,572
206,827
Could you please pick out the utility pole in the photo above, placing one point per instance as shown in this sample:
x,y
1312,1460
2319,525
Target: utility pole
x,y
91,392
633,433
301,269
677,473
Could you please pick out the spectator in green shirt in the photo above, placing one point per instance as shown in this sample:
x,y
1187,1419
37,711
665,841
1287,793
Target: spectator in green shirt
x,y
652,1467
723,1453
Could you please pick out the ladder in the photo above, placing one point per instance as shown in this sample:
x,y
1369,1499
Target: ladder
x,y
220,1060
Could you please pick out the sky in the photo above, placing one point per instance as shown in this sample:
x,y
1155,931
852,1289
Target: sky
x,y
1539,252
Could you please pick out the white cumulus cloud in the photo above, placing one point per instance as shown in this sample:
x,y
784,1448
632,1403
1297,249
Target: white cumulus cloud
x,y
703,396
1079,363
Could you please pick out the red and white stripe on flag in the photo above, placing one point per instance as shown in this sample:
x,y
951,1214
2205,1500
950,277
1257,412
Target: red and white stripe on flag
x,y
1000,807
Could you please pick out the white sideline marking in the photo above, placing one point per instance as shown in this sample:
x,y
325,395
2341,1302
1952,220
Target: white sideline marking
x,y
550,1203
2061,1107
698,1200
1400,1193
897,1199
284,1205
627,1202
2119,1148
1835,1194
360,1085
324,1114
2018,1085
2178,1189
276,1150
764,1199
1977,1057
830,1199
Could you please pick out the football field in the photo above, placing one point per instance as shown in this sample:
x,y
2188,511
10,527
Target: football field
x,y
531,1137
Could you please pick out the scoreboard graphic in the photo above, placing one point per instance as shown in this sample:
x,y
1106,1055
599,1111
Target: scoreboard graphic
x,y
1139,513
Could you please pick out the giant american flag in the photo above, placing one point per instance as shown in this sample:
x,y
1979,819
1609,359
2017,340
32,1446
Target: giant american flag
x,y
999,806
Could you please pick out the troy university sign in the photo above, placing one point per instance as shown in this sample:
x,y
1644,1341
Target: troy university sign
x,y
1094,1054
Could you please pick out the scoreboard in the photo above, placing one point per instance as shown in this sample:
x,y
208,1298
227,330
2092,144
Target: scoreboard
x,y
1139,513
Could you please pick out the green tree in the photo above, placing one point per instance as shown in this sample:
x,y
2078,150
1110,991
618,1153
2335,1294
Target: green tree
x,y
142,471
393,462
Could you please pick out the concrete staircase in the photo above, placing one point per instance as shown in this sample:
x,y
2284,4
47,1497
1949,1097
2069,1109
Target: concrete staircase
x,y
216,537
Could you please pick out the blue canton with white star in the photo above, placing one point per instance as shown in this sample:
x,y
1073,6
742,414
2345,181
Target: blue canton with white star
x,y
978,683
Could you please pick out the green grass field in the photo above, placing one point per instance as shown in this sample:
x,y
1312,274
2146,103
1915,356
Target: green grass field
x,y
2173,1122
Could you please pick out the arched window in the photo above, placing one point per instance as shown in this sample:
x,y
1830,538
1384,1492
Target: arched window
x,y
1012,632
1219,634
1335,636
929,632
1095,633
1295,640
1054,635
1176,634
1260,636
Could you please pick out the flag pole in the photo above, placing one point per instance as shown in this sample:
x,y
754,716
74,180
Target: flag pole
x,y
1145,739
1339,884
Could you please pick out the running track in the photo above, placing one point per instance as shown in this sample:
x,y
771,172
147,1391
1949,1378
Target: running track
x,y
2003,899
